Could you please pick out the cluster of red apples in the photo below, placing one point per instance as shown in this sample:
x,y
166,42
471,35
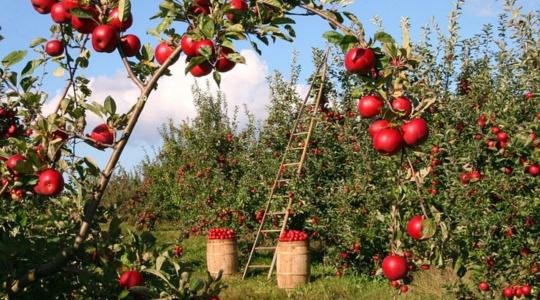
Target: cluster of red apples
x,y
106,27
130,279
386,138
293,236
221,234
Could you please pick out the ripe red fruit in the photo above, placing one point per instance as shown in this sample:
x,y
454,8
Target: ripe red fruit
x,y
414,131
526,290
204,44
394,267
238,7
60,14
188,45
102,134
377,126
223,64
50,183
162,52
105,38
533,170
130,45
71,4
414,227
201,70
43,6
508,292
114,20
130,279
13,161
360,60
502,137
507,170
85,25
483,286
387,141
475,175
369,106
464,178
402,105
54,48
404,289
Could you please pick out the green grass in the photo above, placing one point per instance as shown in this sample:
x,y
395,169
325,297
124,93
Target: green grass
x,y
323,285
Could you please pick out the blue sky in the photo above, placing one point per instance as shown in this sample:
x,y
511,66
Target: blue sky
x,y
21,24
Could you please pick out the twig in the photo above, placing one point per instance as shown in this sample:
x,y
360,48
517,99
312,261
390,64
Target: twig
x,y
129,70
417,188
333,22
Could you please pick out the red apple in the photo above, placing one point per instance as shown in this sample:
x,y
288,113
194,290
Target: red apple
x,y
114,20
54,48
394,267
85,25
43,6
130,279
105,38
526,290
102,134
13,161
204,44
130,45
502,137
201,7
237,7
483,286
370,106
162,52
377,126
50,183
508,292
188,45
414,131
414,227
387,141
201,70
533,170
360,60
60,14
402,105
223,64
71,4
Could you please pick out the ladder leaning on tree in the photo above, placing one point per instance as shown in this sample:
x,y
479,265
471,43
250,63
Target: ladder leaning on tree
x,y
289,159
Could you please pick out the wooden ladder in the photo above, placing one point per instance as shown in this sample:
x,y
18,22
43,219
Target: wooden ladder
x,y
298,131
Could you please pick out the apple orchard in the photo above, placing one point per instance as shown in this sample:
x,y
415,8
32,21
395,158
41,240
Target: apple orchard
x,y
425,154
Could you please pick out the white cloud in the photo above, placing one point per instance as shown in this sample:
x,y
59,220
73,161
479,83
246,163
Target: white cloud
x,y
482,8
245,84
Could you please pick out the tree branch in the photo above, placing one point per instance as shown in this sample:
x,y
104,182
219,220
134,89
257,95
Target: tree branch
x,y
57,262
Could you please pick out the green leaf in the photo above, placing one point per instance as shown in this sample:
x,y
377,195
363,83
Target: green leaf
x,y
207,27
13,58
124,9
333,37
194,62
110,105
31,67
37,41
81,14
384,37
217,77
279,21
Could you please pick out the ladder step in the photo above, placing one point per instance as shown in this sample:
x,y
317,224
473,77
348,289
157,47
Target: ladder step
x,y
271,230
277,213
259,266
291,164
297,148
265,248
283,180
301,133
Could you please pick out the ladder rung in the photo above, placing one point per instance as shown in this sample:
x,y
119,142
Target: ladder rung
x,y
297,148
265,248
283,180
259,266
301,133
291,164
271,230
277,213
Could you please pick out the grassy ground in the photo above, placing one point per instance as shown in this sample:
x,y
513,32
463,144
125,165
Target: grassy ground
x,y
323,285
